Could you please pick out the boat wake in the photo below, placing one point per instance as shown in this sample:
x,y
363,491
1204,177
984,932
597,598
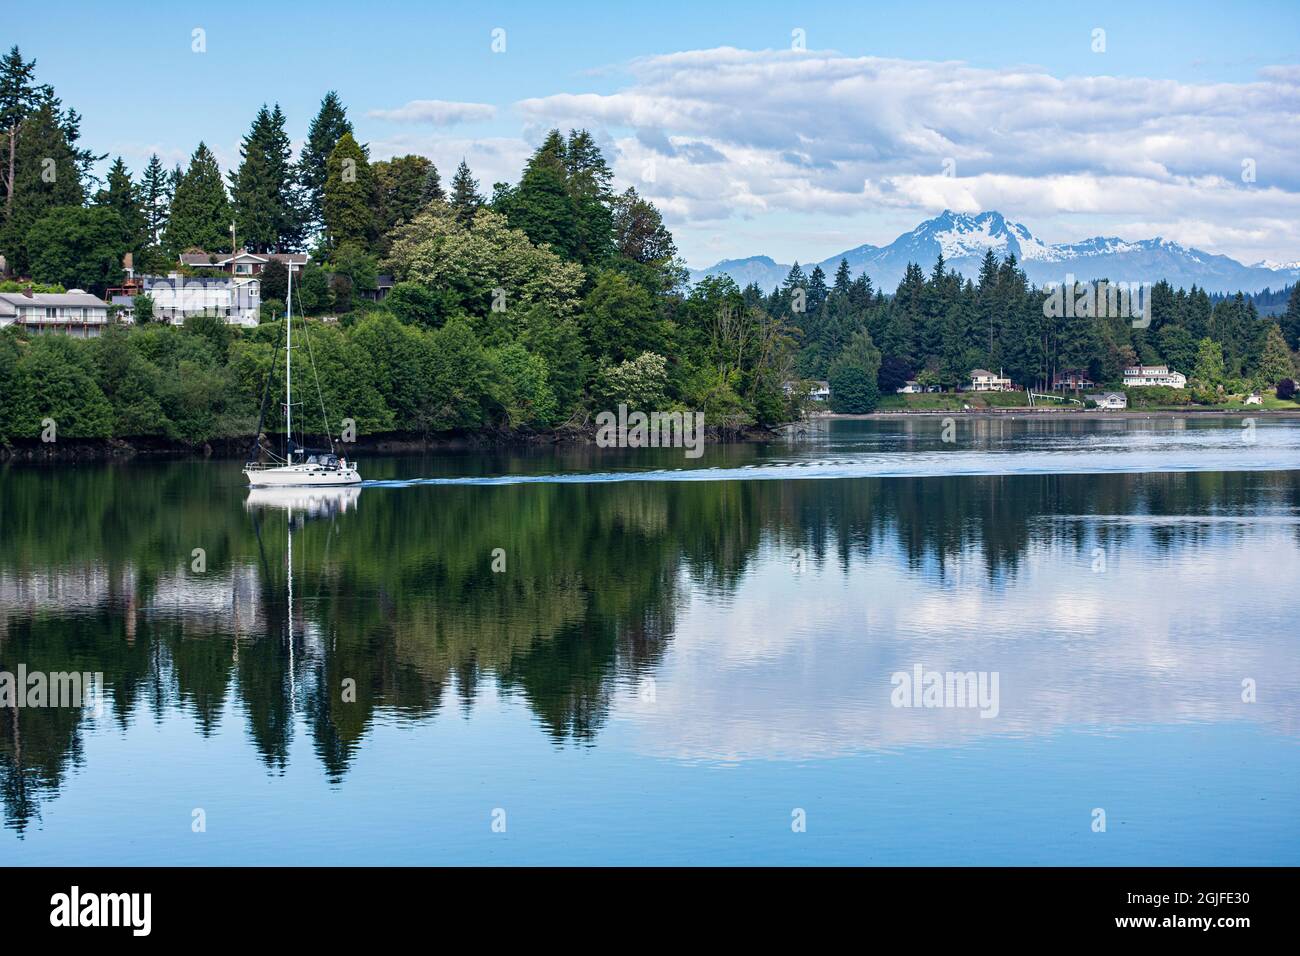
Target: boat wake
x,y
909,466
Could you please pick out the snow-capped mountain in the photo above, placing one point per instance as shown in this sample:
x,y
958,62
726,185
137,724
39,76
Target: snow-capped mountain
x,y
963,240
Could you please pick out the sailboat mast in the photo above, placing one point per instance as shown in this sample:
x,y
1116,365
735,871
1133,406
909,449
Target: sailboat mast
x,y
288,370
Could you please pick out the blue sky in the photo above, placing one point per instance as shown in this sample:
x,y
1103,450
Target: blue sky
x,y
749,146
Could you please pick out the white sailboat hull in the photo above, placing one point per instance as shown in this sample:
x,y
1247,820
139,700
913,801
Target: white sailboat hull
x,y
302,476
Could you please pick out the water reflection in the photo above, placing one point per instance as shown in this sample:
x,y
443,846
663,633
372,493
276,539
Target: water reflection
x,y
716,621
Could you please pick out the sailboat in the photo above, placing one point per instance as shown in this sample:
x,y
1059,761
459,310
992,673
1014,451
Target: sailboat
x,y
300,467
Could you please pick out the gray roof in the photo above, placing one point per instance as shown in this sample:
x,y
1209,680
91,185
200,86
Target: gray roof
x,y
221,258
60,300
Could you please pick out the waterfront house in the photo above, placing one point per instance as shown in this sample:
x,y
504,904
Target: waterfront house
x,y
910,387
1142,376
982,380
176,297
245,264
1111,401
1072,378
818,390
74,312
1254,398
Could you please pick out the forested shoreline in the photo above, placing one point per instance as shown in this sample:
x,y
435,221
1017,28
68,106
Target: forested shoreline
x,y
517,312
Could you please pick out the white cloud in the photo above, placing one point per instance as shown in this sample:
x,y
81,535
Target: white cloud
x,y
729,134
436,112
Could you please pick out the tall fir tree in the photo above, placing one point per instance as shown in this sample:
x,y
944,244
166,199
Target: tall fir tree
x,y
18,99
588,182
155,199
349,206
541,205
290,229
843,277
123,196
817,291
200,211
261,190
465,198
431,189
330,125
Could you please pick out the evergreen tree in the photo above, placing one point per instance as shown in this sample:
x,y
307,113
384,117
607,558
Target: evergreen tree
x,y
465,198
794,291
78,247
18,99
1209,363
261,189
330,125
541,204
349,196
843,277
432,187
290,229
46,175
853,376
123,197
817,291
155,200
1291,319
1275,361
200,212
401,184
588,179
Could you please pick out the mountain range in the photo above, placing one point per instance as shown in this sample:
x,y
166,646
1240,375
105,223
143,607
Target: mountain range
x,y
963,239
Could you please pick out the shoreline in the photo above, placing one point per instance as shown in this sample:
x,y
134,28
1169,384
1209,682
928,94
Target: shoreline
x,y
1055,414
73,450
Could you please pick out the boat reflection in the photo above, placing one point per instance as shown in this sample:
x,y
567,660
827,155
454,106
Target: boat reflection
x,y
309,502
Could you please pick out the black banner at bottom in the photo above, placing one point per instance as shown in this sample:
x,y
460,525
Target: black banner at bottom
x,y
338,905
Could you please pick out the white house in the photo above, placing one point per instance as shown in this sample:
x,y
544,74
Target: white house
x,y
1112,401
817,390
176,297
982,380
246,264
74,312
1254,398
910,387
1140,376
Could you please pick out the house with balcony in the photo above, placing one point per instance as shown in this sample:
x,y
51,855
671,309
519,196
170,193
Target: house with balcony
x,y
176,297
1072,379
1143,376
982,380
74,312
244,265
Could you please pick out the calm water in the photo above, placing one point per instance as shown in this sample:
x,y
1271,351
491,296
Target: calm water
x,y
677,658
